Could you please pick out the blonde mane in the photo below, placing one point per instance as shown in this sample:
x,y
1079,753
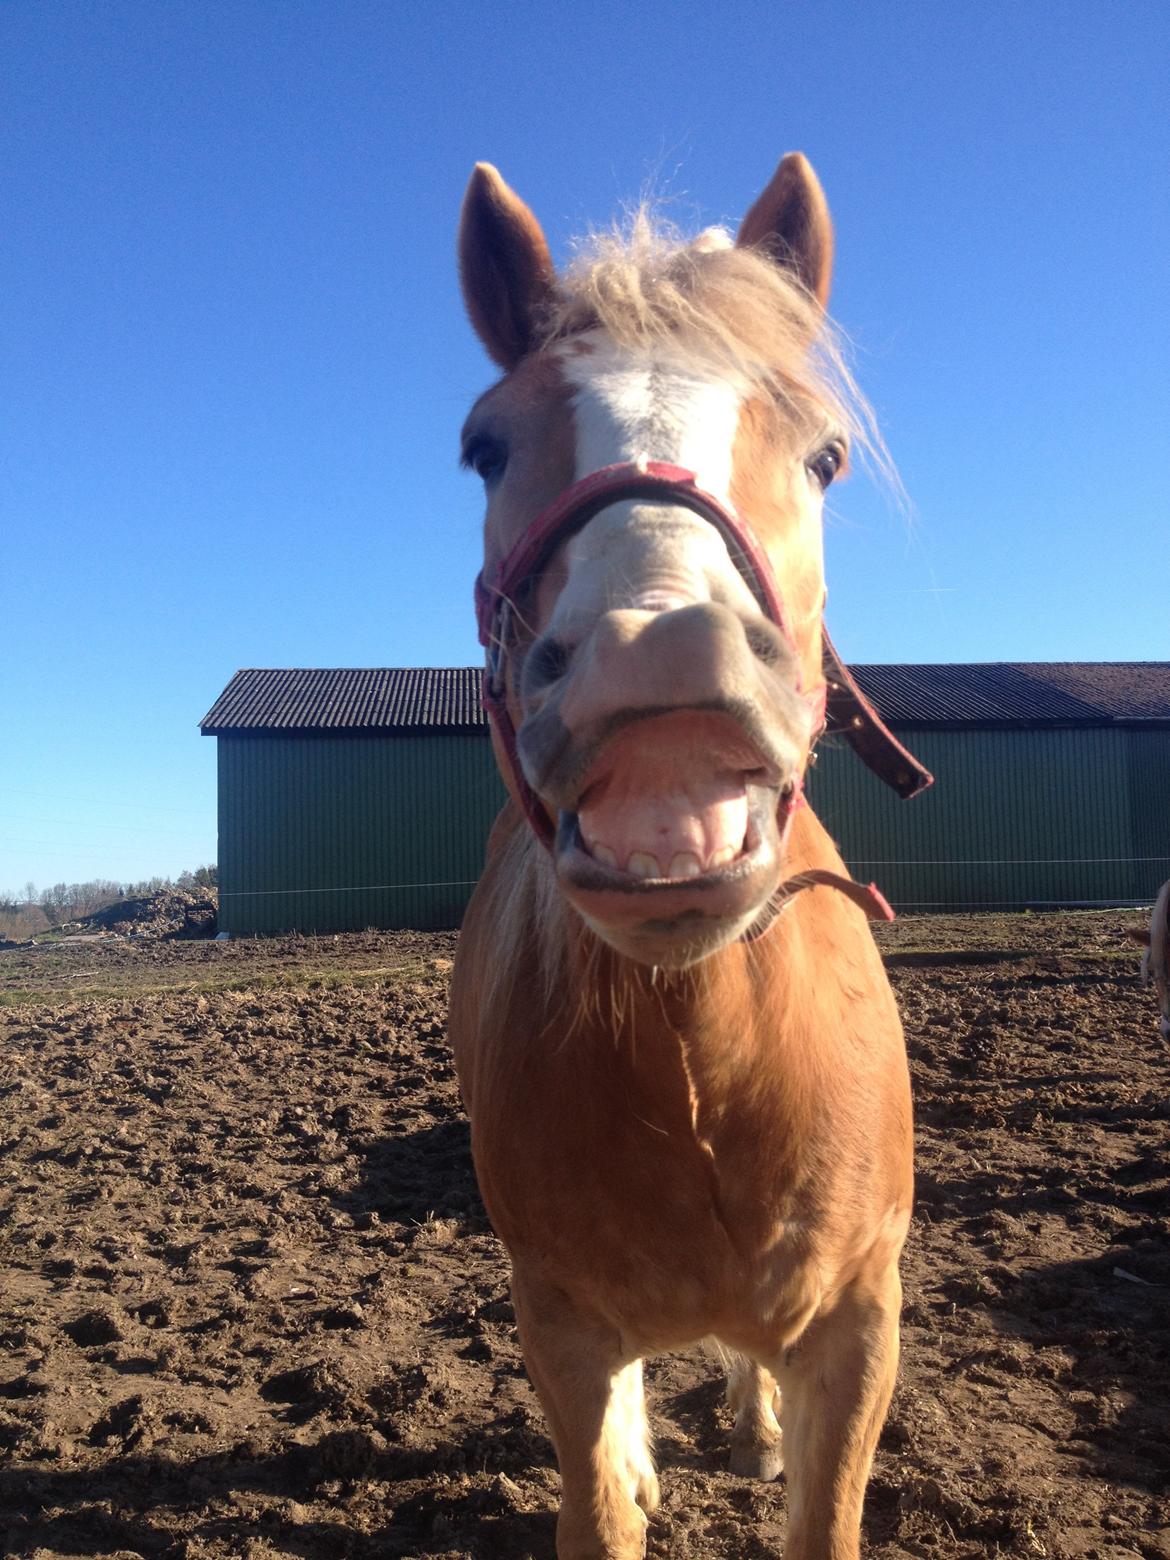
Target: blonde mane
x,y
645,285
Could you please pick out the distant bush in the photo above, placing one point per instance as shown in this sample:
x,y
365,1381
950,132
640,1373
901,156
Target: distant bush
x,y
72,901
18,921
202,877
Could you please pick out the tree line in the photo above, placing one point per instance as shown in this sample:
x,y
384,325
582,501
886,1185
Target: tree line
x,y
36,910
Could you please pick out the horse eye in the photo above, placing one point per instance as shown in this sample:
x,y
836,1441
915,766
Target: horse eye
x,y
487,458
826,464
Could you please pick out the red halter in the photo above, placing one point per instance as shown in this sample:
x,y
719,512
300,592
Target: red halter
x,y
837,695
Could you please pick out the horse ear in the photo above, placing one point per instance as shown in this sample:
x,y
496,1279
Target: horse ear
x,y
791,220
1138,935
504,265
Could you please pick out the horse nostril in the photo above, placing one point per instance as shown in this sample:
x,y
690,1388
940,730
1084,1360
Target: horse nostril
x,y
545,663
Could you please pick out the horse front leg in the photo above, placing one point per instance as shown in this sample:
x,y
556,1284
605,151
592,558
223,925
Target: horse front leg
x,y
835,1387
592,1395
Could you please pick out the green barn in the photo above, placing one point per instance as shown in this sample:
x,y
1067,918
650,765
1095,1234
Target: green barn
x,y
362,798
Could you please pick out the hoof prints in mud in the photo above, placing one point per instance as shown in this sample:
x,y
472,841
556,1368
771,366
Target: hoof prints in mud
x,y
252,1306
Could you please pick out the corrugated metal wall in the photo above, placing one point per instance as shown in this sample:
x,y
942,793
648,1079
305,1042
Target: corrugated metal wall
x,y
1014,818
328,834
340,833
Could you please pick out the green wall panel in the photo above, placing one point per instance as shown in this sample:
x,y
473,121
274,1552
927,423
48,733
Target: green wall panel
x,y
1014,818
1148,786
326,834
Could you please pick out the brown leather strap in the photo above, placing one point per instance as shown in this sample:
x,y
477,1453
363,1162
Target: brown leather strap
x,y
867,897
851,715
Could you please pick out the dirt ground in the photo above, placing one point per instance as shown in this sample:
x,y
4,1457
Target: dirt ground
x,y
250,1305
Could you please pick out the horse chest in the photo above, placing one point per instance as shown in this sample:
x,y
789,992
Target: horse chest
x,y
683,1214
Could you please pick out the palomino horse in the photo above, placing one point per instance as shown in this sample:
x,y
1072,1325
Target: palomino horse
x,y
680,1055
1156,958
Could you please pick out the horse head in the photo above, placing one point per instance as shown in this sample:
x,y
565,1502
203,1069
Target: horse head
x,y
655,460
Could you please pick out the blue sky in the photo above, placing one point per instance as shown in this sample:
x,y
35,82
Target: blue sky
x,y
234,360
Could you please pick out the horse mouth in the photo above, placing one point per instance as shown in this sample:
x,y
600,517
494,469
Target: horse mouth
x,y
677,823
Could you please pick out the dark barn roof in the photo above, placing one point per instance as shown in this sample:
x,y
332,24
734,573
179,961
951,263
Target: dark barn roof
x,y
1030,693
1003,693
390,698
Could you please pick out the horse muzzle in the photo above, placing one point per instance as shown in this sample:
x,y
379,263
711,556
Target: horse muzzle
x,y
674,903
670,752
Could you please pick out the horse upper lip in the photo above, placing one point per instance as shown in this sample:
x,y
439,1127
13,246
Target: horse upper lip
x,y
557,765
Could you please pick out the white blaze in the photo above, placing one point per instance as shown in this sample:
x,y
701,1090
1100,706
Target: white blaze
x,y
654,407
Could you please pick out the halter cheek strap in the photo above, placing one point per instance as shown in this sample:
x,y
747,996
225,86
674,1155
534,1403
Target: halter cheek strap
x,y
835,700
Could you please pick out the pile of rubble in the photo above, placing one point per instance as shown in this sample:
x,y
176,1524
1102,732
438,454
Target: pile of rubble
x,y
171,912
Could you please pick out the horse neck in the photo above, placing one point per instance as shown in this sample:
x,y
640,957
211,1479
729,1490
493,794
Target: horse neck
x,y
719,1013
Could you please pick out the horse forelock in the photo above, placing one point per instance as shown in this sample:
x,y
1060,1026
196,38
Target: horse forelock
x,y
728,311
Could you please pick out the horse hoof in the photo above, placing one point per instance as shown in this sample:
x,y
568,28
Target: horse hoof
x,y
757,1462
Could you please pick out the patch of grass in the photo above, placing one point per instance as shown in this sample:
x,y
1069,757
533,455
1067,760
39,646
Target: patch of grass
x,y
76,988
927,945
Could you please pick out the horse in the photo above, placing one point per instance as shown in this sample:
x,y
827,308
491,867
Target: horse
x,y
677,1047
1155,939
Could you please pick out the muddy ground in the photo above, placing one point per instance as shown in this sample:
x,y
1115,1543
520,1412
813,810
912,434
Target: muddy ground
x,y
250,1305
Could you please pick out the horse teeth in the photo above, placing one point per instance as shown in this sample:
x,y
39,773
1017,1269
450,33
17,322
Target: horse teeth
x,y
723,855
685,865
642,864
603,854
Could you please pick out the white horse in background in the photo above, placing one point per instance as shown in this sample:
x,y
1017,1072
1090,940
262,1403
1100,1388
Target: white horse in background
x,y
1156,958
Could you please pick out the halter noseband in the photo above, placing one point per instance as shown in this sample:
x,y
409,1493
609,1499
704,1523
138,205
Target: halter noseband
x,y
836,699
